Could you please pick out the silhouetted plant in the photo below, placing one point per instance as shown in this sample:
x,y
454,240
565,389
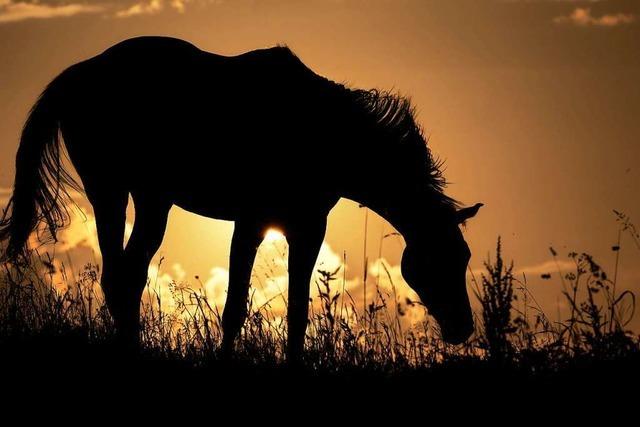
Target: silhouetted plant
x,y
598,315
325,324
497,302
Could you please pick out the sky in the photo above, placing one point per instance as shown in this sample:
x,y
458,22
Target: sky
x,y
533,104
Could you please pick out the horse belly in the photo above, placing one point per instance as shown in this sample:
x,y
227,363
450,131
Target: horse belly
x,y
275,209
270,194
221,187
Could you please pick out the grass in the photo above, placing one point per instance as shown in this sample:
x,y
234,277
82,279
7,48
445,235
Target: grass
x,y
43,329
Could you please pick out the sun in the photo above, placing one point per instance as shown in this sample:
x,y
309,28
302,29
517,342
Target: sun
x,y
273,234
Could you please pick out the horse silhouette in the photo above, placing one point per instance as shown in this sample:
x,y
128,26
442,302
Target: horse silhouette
x,y
258,139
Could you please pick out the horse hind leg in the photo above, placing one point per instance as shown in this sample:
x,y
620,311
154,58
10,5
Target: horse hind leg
x,y
110,212
124,273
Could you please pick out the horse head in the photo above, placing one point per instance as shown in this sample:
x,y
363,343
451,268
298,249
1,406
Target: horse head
x,y
434,264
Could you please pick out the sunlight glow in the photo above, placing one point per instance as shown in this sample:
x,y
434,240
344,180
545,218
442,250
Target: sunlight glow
x,y
273,234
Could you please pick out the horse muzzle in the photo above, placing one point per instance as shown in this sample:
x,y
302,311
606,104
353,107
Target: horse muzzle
x,y
456,329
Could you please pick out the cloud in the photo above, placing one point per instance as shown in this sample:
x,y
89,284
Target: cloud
x,y
547,267
82,232
20,10
144,8
270,283
152,7
179,5
582,17
269,276
13,11
269,279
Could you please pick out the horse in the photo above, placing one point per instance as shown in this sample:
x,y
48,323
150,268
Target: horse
x,y
258,139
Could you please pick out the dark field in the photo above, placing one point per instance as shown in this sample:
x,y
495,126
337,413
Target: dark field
x,y
53,341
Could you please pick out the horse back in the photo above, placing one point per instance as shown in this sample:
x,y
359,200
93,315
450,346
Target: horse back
x,y
167,114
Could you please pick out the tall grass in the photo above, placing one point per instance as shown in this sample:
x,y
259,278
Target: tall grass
x,y
511,326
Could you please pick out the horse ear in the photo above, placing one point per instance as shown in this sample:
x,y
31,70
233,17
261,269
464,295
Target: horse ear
x,y
465,213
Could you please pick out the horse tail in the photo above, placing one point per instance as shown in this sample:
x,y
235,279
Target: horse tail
x,y
39,193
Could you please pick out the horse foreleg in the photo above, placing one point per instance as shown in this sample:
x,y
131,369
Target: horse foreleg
x,y
304,244
244,245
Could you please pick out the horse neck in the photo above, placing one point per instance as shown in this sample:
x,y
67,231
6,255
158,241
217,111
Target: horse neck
x,y
397,189
406,207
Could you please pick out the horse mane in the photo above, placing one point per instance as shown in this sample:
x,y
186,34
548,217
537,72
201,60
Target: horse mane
x,y
394,115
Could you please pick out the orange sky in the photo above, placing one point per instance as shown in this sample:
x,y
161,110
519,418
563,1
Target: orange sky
x,y
533,104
